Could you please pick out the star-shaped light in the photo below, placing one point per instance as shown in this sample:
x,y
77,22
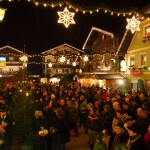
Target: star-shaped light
x,y
66,17
133,24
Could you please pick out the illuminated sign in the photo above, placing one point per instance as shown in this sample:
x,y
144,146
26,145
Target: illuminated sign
x,y
2,61
135,72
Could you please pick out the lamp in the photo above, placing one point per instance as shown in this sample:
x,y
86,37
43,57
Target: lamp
x,y
123,65
85,58
74,64
2,14
62,59
80,71
50,65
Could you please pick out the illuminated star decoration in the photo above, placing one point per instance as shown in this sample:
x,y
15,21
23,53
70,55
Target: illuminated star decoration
x,y
133,24
66,17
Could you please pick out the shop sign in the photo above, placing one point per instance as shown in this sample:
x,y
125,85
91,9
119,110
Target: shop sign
x,y
135,72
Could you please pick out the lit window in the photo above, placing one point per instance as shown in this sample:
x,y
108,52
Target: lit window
x,y
143,59
132,61
11,58
147,31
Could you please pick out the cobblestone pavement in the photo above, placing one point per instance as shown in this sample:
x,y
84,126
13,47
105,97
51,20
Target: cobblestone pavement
x,y
78,143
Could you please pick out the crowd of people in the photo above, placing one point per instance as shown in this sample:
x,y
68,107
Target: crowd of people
x,y
112,120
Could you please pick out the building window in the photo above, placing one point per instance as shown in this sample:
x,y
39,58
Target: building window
x,y
59,52
143,60
147,31
10,69
132,61
11,58
67,52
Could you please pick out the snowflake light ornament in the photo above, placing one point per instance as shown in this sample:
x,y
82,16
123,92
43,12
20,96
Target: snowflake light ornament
x,y
133,24
66,17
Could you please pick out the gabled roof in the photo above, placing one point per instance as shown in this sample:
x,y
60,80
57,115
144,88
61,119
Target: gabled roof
x,y
146,10
93,36
125,42
63,45
9,49
100,42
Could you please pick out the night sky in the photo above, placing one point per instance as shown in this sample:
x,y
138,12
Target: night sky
x,y
37,27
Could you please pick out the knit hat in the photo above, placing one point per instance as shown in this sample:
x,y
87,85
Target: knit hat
x,y
134,127
121,125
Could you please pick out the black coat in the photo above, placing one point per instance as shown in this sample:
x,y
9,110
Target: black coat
x,y
58,139
136,143
122,139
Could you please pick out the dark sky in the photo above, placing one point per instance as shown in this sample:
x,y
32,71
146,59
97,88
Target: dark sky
x,y
37,27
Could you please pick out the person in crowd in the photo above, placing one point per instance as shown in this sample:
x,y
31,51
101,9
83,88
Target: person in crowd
x,y
6,129
63,105
94,126
53,101
40,129
106,118
133,107
82,111
73,118
98,95
127,99
143,119
104,95
126,108
99,144
135,95
97,107
135,140
106,138
147,138
116,107
142,99
109,102
118,138
59,132
117,119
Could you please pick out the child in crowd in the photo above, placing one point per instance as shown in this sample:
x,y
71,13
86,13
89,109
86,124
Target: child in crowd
x,y
99,144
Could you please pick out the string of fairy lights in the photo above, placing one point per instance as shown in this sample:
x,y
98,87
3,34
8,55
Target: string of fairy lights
x,y
43,56
66,17
86,9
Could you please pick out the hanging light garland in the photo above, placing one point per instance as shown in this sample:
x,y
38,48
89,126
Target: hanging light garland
x,y
88,9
